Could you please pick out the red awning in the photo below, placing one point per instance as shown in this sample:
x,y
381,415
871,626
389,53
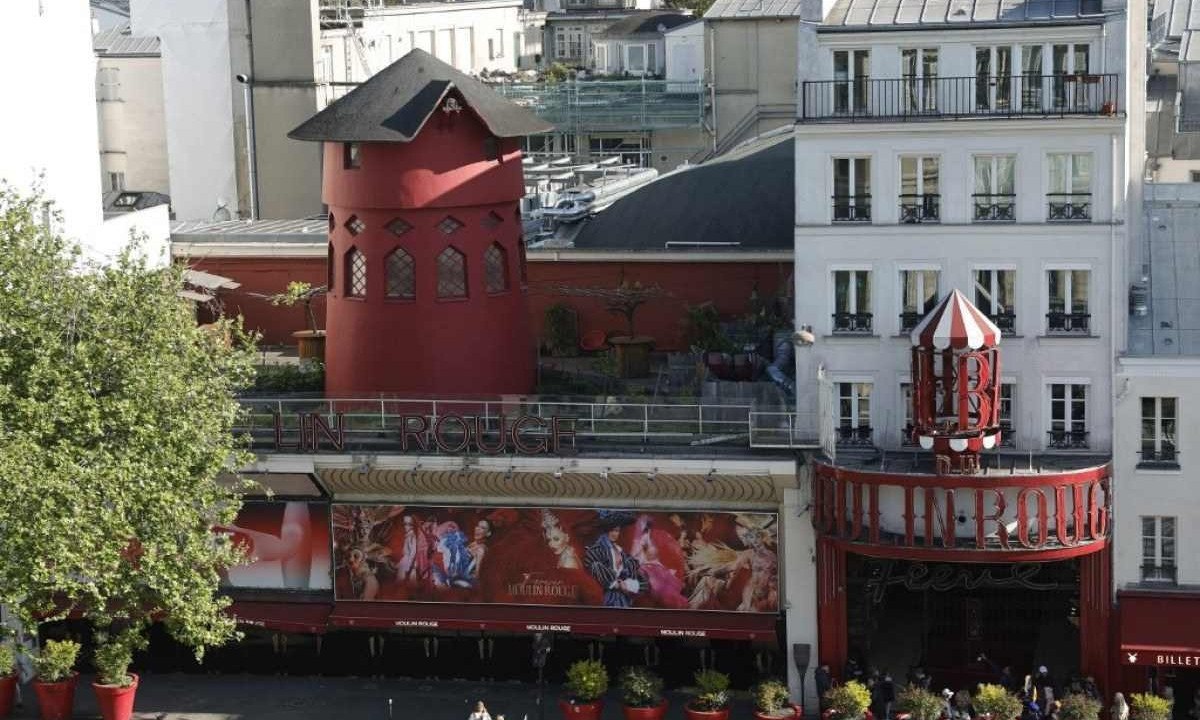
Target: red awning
x,y
576,621
1158,624
294,617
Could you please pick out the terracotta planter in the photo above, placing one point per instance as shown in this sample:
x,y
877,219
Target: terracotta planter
x,y
792,712
310,344
581,711
116,703
8,691
633,355
690,714
56,701
645,713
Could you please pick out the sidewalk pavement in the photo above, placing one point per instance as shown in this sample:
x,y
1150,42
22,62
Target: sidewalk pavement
x,y
258,697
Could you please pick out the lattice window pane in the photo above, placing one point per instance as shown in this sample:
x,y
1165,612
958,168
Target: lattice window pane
x,y
451,274
354,225
492,220
449,225
356,273
398,227
329,267
401,275
495,265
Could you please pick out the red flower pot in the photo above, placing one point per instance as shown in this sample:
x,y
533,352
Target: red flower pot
x,y
580,710
56,701
8,690
645,713
793,712
116,703
691,714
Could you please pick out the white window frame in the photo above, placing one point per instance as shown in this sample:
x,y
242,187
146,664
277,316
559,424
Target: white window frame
x,y
925,86
850,81
1014,65
1069,178
906,410
602,58
851,183
993,159
628,62
921,160
1068,268
1164,567
1009,381
1159,435
1048,406
853,299
856,419
917,268
993,267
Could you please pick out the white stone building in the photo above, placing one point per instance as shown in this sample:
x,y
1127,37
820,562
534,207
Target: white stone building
x,y
129,96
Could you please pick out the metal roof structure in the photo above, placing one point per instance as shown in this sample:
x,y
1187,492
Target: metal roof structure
x,y
121,42
751,9
1165,300
644,24
1163,140
908,14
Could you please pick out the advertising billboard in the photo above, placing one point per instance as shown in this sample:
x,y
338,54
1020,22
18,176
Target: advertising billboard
x,y
288,543
725,561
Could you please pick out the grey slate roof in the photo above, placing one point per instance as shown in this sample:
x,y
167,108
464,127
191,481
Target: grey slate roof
x,y
749,9
745,197
887,14
1171,253
393,105
119,41
636,25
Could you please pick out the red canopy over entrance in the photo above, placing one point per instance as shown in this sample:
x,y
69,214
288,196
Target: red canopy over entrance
x,y
577,621
282,616
1159,628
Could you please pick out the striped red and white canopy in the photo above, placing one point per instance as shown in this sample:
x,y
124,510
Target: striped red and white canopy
x,y
956,323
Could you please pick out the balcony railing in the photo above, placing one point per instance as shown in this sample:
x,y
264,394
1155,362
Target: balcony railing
x,y
939,98
1159,573
1061,323
852,323
1068,439
920,208
580,105
851,436
994,208
909,320
852,208
1006,321
1068,207
1008,435
1162,459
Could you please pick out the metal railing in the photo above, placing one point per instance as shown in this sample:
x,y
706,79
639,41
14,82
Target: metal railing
x,y
909,320
974,96
855,436
376,422
1008,436
1063,323
1164,459
577,105
776,429
994,207
1159,573
852,208
920,208
1068,439
1006,321
851,323
1068,207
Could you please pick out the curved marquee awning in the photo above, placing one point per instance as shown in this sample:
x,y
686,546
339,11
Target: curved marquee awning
x,y
957,324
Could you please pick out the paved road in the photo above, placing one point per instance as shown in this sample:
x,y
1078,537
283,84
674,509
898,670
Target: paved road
x,y
238,697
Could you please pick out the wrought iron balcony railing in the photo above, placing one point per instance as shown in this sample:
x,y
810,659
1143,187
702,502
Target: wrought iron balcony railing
x,y
920,208
854,436
852,208
1069,207
909,320
973,96
1159,573
1006,321
1068,439
1062,323
852,323
1008,435
994,208
1166,458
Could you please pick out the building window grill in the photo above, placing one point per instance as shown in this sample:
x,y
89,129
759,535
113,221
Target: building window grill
x,y
354,225
451,274
1159,415
495,265
398,226
401,275
356,273
449,225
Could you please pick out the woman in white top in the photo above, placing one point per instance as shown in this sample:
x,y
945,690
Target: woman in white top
x,y
1120,709
481,712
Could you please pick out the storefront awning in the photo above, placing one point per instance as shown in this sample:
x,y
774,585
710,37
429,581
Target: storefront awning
x,y
294,617
1159,628
575,621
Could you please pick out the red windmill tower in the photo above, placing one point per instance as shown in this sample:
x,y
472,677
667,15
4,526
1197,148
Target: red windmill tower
x,y
423,179
956,383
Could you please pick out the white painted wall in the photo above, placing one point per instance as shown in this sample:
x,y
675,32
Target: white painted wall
x,y
685,52
133,130
798,563
621,55
49,132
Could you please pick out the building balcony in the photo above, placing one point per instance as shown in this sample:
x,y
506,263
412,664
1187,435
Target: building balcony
x,y
1165,459
848,323
994,208
1165,574
1067,439
1068,207
1062,323
909,320
854,436
920,208
1006,321
852,208
951,98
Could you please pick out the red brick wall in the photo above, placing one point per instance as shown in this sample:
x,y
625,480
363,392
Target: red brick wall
x,y
268,276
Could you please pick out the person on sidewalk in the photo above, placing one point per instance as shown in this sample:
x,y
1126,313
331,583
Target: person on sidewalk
x,y
481,712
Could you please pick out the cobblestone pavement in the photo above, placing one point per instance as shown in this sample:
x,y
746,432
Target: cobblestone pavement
x,y
256,697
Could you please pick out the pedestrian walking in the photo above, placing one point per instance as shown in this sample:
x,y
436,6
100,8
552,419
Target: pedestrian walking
x,y
481,712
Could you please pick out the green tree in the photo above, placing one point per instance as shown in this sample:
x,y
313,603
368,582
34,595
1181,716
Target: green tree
x,y
116,417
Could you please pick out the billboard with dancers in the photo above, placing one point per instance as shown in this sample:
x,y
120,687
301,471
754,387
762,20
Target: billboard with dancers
x,y
287,544
725,561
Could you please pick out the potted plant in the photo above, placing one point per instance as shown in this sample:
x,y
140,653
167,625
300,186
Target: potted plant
x,y
55,681
641,692
996,702
115,686
772,700
919,704
711,700
849,701
311,342
1078,706
1146,706
8,677
633,350
587,681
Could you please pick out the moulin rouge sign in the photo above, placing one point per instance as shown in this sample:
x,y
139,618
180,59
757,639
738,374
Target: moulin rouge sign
x,y
448,433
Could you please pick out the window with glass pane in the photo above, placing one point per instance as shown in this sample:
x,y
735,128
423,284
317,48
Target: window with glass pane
x,y
451,274
1068,301
995,295
1158,549
356,273
1008,436
995,188
495,265
1070,186
919,67
906,399
851,73
993,77
854,413
852,301
1158,432
918,295
851,189
919,198
400,275
1068,416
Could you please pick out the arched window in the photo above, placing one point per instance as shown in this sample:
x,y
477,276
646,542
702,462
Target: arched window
x,y
329,268
400,275
495,268
451,274
356,273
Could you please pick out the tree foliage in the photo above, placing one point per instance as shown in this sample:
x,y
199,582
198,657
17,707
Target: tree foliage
x,y
116,413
